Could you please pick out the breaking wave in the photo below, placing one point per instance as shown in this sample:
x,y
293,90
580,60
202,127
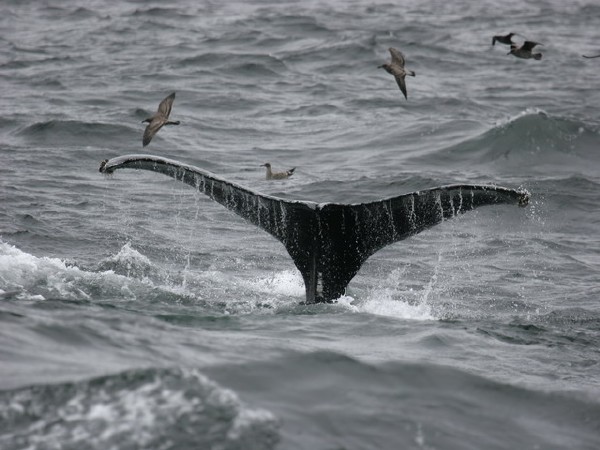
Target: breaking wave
x,y
147,408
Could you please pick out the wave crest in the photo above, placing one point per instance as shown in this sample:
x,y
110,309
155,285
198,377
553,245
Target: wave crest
x,y
532,139
77,133
149,408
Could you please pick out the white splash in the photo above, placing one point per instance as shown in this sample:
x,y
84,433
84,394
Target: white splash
x,y
526,112
33,278
392,300
137,409
128,254
22,272
287,283
129,262
383,303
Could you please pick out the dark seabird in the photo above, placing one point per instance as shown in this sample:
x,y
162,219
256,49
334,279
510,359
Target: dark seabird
x,y
595,56
396,68
158,119
507,39
525,51
277,175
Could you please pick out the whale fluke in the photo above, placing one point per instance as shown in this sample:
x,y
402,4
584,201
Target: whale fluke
x,y
329,242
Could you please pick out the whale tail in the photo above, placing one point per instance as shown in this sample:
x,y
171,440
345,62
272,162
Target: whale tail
x,y
329,242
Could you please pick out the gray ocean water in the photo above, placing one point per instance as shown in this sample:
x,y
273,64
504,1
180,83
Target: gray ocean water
x,y
137,314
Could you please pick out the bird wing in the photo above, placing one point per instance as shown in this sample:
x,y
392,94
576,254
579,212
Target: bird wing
x,y
400,79
155,124
165,106
528,45
397,56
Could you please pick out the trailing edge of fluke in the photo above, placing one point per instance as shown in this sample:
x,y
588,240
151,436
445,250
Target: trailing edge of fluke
x,y
329,242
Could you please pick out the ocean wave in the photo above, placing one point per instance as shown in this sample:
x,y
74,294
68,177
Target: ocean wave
x,y
573,316
82,13
31,278
130,276
34,62
79,133
303,24
146,408
312,110
330,57
161,13
246,64
128,262
406,390
531,139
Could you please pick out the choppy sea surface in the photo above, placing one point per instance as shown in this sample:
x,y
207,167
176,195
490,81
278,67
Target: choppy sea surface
x,y
136,313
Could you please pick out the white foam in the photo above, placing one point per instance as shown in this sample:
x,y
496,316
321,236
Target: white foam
x,y
35,278
19,271
526,112
393,300
101,413
381,301
129,262
247,419
286,283
382,304
128,255
346,301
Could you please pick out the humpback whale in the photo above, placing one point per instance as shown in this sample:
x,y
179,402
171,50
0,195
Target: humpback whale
x,y
329,242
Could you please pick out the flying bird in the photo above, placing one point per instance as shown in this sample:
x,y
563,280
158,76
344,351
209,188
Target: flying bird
x,y
277,175
396,68
506,39
159,119
525,51
595,56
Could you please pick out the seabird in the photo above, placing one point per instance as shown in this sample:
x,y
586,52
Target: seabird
x,y
525,51
506,39
396,68
595,56
277,175
158,119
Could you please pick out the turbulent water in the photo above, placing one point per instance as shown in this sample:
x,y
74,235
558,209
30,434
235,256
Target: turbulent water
x,y
136,313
